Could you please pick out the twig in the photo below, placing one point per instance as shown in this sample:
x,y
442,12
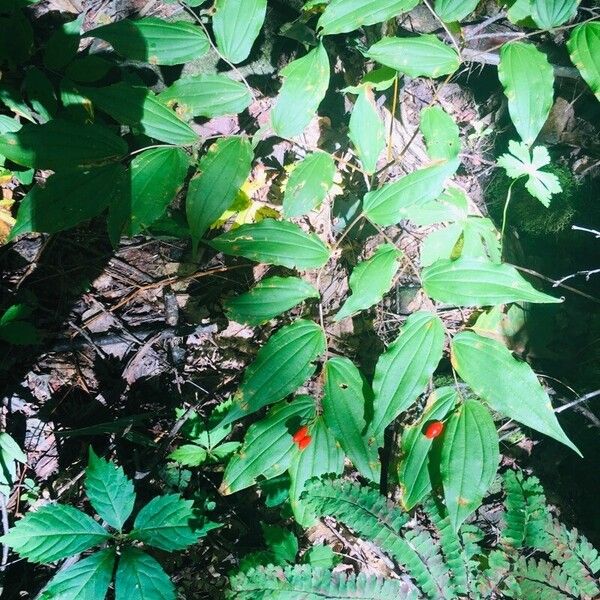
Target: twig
x,y
579,400
587,274
594,232
484,24
444,26
4,531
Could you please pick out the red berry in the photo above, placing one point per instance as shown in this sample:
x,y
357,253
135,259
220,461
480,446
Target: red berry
x,y
434,429
300,434
305,441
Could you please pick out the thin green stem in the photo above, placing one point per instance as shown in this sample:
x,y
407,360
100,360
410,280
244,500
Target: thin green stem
x,y
505,213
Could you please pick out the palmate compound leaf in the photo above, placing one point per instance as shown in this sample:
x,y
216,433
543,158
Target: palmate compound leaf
x,y
371,280
87,579
275,243
584,50
305,82
469,459
451,11
528,82
479,282
109,490
140,577
281,366
552,13
403,370
54,532
269,298
268,447
508,385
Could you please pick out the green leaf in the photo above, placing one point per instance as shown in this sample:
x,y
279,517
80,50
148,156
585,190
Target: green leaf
x,y
414,475
10,453
420,56
109,491
282,543
469,459
140,577
440,132
452,11
584,50
308,184
371,280
87,69
281,366
138,107
323,455
165,523
87,579
154,41
305,82
528,82
62,145
40,93
63,44
53,532
478,282
321,556
452,205
206,95
509,386
16,35
552,13
403,370
275,243
221,173
269,298
391,203
367,131
190,455
236,26
346,402
268,447
440,244
342,16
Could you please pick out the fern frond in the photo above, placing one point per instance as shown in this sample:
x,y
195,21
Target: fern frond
x,y
312,583
544,580
376,519
494,574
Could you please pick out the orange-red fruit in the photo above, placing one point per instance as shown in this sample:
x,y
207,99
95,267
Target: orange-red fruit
x,y
305,441
300,434
434,429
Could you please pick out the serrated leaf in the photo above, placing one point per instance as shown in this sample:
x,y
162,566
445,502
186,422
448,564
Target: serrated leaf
x,y
414,472
221,173
469,459
420,56
584,50
282,543
552,13
109,490
206,95
452,11
403,370
479,282
371,280
54,532
323,455
140,577
367,131
305,82
528,82
441,133
138,107
275,243
60,145
63,44
308,184
346,407
154,40
87,579
342,16
509,386
165,523
392,203
269,298
236,26
190,455
274,433
281,366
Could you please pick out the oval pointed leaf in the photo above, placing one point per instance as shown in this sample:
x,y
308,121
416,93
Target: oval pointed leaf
x,y
552,13
440,132
281,366
275,243
469,459
206,95
305,82
63,44
342,16
308,184
479,282
370,280
584,49
236,26
347,398
140,577
528,82
269,298
451,11
403,370
421,56
509,386
268,447
154,41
